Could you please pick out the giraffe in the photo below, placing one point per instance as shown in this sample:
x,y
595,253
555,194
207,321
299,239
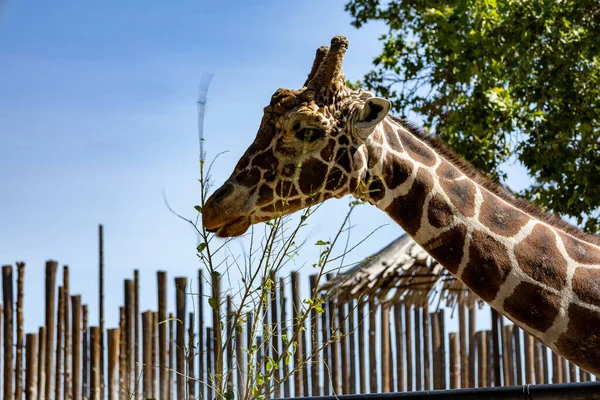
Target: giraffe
x,y
326,140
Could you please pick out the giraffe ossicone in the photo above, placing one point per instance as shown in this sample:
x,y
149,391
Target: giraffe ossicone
x,y
326,140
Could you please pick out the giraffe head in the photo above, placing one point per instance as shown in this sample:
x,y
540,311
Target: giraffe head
x,y
309,148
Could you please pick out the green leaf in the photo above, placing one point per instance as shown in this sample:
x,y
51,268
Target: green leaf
x,y
198,208
322,243
201,247
213,303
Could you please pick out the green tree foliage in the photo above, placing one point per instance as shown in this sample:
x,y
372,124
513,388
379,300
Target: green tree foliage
x,y
501,78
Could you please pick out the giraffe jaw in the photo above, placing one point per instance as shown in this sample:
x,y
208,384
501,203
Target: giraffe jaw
x,y
237,227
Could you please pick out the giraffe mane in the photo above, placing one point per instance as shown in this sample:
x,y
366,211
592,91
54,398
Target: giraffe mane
x,y
495,188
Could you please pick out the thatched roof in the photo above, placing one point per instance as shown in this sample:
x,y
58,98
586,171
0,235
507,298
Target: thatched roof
x,y
400,271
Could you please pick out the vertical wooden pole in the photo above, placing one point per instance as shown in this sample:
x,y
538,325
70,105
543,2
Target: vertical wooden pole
x,y
529,363
171,366
7,299
572,373
334,348
538,365
250,334
31,355
482,361
362,376
101,304
136,332
122,351
418,353
284,333
401,387
59,342
41,362
76,347
314,338
161,278
409,342
343,334
464,350
128,290
472,344
442,327
275,337
372,346
563,370
556,370
50,303
454,364
490,358
517,353
209,370
114,345
239,358
508,349
147,354
386,368
496,347
426,348
298,355
230,337
436,343
191,382
67,332
180,304
505,354
201,343
325,336
352,356
545,366
155,380
95,363
216,333
85,348
20,333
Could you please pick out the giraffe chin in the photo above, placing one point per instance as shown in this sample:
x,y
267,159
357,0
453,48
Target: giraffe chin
x,y
237,227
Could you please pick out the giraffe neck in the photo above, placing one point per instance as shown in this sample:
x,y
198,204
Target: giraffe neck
x,y
541,275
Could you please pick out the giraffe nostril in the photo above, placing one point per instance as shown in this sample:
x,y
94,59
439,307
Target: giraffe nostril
x,y
223,192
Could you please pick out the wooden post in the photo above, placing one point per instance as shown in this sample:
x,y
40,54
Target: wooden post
x,y
275,337
147,326
76,347
505,355
67,340
50,303
545,366
85,359
352,348
191,382
155,382
572,373
122,352
95,363
325,336
7,299
201,349
161,277
442,349
334,366
59,342
171,366
101,303
31,355
361,346
114,345
284,333
537,357
216,333
454,364
529,363
343,334
128,289
482,360
496,347
418,352
314,338
563,368
401,387
507,345
426,348
386,368
556,370
436,342
409,341
490,358
230,337
136,332
209,381
239,358
41,362
180,304
472,343
372,347
298,355
517,353
20,333
464,350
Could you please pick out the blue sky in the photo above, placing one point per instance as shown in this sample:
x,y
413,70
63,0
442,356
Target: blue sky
x,y
98,119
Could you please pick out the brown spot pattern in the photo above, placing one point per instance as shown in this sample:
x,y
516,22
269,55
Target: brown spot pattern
x,y
265,195
586,285
266,161
500,217
327,152
312,176
539,258
392,139
407,210
447,248
417,151
533,305
447,171
488,266
286,189
580,251
342,159
335,179
581,342
376,190
396,171
439,213
248,177
462,195
288,170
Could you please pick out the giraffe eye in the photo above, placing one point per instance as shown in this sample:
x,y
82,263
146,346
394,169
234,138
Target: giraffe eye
x,y
309,134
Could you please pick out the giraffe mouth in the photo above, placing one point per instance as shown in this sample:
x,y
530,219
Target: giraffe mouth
x,y
237,227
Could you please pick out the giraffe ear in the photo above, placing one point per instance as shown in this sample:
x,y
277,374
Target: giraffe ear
x,y
374,110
